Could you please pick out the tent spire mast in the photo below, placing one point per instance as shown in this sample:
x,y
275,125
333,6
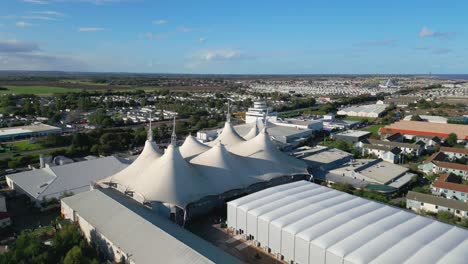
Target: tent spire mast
x,y
228,116
174,136
150,129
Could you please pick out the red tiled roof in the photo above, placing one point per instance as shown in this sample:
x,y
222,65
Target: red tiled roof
x,y
442,182
454,150
451,165
438,156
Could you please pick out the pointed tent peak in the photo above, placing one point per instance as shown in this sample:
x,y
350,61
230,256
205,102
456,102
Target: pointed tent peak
x,y
253,132
228,136
174,136
192,147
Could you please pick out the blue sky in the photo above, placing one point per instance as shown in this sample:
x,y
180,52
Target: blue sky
x,y
235,37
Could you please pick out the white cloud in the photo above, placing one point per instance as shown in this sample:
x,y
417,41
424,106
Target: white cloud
x,y
201,40
48,12
39,18
160,22
38,2
427,32
219,54
13,46
184,29
23,24
90,29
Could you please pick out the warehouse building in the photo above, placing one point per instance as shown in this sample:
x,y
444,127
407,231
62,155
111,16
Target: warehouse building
x,y
302,222
372,110
352,136
412,129
22,132
52,182
124,231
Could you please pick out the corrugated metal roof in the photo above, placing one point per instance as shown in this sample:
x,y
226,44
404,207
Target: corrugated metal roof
x,y
140,232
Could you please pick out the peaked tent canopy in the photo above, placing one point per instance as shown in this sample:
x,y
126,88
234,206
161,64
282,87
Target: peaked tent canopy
x,y
225,170
270,159
253,132
228,137
171,179
192,147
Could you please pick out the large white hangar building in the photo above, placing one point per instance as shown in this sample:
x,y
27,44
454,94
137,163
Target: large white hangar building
x,y
305,223
195,178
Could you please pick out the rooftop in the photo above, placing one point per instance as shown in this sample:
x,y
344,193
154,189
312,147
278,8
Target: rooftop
x,y
354,133
444,182
74,177
441,201
7,131
451,165
150,237
454,150
320,154
426,128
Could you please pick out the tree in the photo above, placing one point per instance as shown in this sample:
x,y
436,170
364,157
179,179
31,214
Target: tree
x,y
74,256
416,118
452,139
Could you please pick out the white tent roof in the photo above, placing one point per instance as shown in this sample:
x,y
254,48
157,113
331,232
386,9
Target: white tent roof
x,y
192,147
228,137
348,229
171,179
253,132
268,157
225,170
128,177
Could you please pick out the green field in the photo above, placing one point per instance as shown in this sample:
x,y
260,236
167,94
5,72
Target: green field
x,y
39,90
19,146
358,118
374,129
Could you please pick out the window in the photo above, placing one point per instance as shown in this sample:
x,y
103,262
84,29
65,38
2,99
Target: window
x,y
445,191
422,204
437,207
458,211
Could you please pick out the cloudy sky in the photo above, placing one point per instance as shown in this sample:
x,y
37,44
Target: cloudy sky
x,y
241,36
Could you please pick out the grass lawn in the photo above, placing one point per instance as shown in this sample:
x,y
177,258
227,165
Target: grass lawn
x,y
20,146
374,129
39,90
358,118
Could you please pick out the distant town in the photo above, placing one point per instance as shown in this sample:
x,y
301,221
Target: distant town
x,y
234,168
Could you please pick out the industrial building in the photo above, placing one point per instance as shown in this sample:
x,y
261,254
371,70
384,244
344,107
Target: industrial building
x,y
374,172
22,132
352,136
371,111
195,178
303,222
53,181
429,118
124,231
412,129
322,157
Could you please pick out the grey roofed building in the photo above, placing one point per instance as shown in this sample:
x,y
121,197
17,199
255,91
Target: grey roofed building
x,y
53,181
10,133
437,200
322,157
352,136
123,229
376,171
